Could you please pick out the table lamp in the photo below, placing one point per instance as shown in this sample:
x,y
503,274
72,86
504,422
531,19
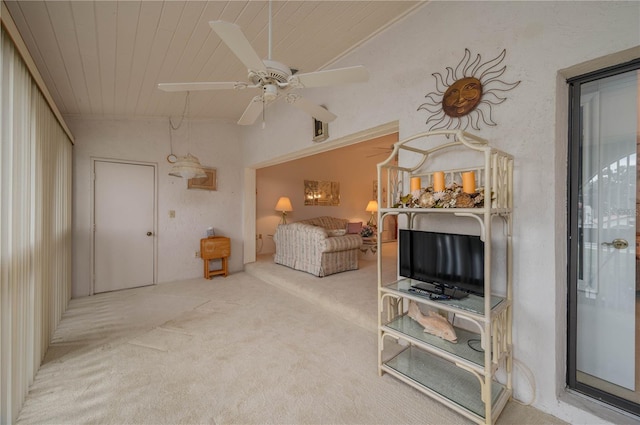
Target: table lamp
x,y
372,207
284,205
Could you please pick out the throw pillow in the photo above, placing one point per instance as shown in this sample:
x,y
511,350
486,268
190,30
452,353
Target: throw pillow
x,y
354,227
336,232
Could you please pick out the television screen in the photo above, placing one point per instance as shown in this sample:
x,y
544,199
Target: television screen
x,y
445,260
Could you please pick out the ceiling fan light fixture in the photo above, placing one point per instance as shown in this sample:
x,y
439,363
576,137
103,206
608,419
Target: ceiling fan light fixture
x,y
270,92
187,167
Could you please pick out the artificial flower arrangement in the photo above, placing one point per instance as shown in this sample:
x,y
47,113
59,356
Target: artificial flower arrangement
x,y
450,197
367,231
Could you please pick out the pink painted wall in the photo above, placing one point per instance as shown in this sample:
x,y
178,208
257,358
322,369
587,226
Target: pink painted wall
x,y
354,167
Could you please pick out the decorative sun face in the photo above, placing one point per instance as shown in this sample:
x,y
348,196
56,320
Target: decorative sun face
x,y
462,97
465,96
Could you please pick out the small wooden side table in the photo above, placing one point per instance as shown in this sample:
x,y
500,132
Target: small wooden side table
x,y
214,248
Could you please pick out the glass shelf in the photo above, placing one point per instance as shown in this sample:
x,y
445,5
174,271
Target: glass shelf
x,y
409,327
444,378
472,303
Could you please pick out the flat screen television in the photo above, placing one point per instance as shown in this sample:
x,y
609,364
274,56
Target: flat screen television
x,y
448,263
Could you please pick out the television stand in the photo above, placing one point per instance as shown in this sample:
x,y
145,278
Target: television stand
x,y
476,385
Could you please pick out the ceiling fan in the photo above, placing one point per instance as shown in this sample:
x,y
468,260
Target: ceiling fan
x,y
381,151
275,80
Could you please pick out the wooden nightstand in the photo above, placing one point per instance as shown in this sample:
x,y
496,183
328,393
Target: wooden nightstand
x,y
214,248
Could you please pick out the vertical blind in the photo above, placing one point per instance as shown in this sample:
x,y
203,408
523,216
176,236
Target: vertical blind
x,y
35,228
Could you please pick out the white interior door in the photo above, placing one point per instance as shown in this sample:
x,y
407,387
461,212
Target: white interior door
x,y
606,300
124,211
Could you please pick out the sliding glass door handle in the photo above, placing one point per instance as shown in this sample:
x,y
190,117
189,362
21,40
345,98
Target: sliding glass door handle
x,y
617,243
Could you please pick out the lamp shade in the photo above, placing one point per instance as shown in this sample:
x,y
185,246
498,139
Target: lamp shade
x,y
187,167
372,206
284,204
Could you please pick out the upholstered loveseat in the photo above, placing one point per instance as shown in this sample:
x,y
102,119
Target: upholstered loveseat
x,y
317,246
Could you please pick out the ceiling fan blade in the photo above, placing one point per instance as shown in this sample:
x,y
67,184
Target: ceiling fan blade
x,y
201,86
330,77
376,154
253,111
235,39
316,111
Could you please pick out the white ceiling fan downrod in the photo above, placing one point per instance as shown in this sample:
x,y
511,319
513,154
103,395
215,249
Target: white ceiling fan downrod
x,y
269,47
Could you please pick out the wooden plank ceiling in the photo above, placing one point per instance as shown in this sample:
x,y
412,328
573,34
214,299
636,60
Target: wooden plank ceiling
x,y
105,58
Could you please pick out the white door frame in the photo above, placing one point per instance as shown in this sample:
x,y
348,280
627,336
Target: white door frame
x,y
93,161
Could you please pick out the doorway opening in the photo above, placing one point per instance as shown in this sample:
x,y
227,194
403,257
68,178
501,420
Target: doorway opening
x,y
352,166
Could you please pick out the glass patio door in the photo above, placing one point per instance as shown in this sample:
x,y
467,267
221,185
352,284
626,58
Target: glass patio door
x,y
603,302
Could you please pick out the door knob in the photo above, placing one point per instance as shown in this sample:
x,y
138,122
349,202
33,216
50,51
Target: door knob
x,y
149,233
617,243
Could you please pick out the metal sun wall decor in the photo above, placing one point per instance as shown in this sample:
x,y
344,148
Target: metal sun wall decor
x,y
466,95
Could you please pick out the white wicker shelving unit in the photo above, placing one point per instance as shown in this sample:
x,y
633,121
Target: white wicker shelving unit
x,y
455,374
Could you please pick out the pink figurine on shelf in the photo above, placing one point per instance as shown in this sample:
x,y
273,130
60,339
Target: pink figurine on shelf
x,y
433,323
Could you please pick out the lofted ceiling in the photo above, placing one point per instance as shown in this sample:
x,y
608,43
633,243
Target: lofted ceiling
x,y
105,58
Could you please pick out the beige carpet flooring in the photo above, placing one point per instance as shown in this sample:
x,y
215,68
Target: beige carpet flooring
x,y
232,350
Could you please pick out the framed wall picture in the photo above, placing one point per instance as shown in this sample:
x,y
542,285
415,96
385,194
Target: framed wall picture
x,y
375,193
323,193
204,183
320,131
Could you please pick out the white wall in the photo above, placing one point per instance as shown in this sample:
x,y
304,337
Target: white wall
x,y
217,145
541,38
